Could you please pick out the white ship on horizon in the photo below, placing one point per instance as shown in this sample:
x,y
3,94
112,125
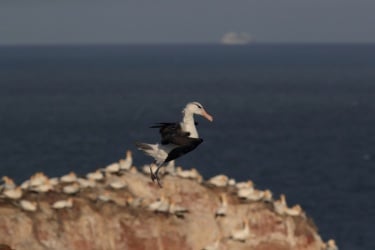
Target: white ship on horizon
x,y
234,38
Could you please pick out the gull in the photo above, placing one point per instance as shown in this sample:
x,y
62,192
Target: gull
x,y
177,139
69,178
30,206
222,209
63,204
241,234
219,180
125,164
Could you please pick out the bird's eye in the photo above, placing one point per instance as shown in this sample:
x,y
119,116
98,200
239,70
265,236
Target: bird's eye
x,y
198,106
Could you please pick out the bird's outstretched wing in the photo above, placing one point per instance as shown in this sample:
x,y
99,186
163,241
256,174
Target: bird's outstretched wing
x,y
187,144
171,133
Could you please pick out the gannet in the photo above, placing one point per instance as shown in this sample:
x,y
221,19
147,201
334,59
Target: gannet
x,y
222,209
63,204
30,206
86,183
241,234
219,180
8,183
331,245
37,179
68,178
72,188
177,210
97,175
161,205
189,174
125,164
294,211
13,194
112,168
280,205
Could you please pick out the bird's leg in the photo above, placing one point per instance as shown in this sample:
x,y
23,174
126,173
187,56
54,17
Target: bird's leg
x,y
153,176
157,176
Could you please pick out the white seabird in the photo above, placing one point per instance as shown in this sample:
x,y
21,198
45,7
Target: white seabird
x,y
8,183
161,205
331,245
177,139
219,180
30,206
241,234
294,211
222,209
189,174
69,178
96,176
280,205
72,188
63,204
13,194
126,164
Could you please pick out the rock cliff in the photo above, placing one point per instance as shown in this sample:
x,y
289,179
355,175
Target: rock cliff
x,y
187,213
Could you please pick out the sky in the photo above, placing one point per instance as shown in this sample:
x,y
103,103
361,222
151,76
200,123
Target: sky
x,y
192,21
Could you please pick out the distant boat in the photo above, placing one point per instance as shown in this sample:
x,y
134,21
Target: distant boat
x,y
234,38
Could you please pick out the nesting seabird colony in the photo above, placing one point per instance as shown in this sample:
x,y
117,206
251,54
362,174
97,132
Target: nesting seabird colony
x,y
102,186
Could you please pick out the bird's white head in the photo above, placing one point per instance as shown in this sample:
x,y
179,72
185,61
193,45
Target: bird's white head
x,y
197,108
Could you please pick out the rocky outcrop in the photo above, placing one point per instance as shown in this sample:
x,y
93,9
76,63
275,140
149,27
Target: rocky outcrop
x,y
185,214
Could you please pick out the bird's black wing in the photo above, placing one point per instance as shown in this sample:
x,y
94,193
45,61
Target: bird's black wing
x,y
187,144
171,133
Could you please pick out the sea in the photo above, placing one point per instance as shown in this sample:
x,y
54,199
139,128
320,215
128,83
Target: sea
x,y
298,119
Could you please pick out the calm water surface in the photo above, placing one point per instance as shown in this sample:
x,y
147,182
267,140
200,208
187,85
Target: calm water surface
x,y
298,119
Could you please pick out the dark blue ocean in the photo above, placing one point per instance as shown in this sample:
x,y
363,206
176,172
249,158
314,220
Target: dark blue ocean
x,y
298,119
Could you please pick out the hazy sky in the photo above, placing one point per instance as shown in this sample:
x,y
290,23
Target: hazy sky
x,y
175,21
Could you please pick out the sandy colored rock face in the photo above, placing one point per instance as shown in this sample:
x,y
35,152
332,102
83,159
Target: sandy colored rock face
x,y
125,221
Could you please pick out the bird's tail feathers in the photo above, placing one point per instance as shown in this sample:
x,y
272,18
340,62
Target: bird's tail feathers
x,y
143,146
152,150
